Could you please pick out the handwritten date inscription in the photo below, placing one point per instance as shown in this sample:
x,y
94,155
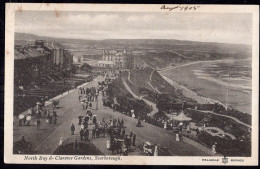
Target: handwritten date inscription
x,y
180,7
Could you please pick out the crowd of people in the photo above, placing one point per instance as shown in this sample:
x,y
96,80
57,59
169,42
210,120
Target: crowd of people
x,y
40,112
90,128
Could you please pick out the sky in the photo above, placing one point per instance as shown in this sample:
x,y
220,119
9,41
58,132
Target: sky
x,y
204,27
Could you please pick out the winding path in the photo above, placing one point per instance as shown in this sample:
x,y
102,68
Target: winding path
x,y
155,110
149,83
230,117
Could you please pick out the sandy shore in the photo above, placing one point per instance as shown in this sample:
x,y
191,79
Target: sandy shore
x,y
204,90
191,94
192,63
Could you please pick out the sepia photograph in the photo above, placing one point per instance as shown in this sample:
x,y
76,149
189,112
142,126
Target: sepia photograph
x,y
97,83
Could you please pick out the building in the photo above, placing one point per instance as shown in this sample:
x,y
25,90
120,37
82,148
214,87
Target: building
x,y
60,57
116,59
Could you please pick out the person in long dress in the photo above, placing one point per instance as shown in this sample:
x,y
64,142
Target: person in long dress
x,y
155,151
108,144
61,141
214,148
72,128
165,125
177,137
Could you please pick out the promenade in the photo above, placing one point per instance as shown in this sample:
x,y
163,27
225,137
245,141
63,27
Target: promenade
x,y
45,140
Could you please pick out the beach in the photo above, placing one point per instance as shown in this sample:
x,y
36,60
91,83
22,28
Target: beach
x,y
198,81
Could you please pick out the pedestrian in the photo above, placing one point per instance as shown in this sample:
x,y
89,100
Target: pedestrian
x,y
165,125
177,137
134,138
72,129
93,132
83,105
104,130
79,117
112,147
123,133
85,124
118,122
61,142
108,145
38,123
82,125
48,114
131,133
24,120
214,148
81,133
97,132
139,123
54,120
23,139
155,153
94,120
54,114
122,122
86,134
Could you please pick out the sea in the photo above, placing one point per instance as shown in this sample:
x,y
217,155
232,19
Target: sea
x,y
228,81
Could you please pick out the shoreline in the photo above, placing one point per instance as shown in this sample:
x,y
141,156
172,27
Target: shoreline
x,y
201,96
191,94
196,62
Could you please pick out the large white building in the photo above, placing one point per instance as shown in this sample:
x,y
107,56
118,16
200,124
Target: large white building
x,y
116,59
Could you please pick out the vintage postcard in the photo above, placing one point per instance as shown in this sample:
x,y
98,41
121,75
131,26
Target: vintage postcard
x,y
131,84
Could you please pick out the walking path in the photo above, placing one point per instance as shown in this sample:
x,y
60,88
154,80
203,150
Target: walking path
x,y
129,74
46,139
149,83
233,118
129,89
155,110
